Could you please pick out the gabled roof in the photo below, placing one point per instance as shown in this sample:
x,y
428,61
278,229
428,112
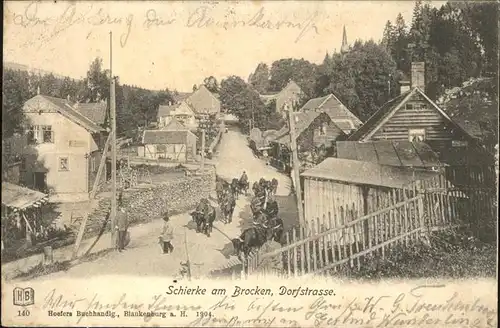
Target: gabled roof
x,y
336,110
302,121
174,125
366,173
69,111
164,110
387,152
96,112
389,108
203,101
160,137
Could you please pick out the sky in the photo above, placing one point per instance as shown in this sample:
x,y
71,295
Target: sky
x,y
174,45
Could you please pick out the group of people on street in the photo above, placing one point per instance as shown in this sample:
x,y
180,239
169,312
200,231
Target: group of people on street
x,y
123,236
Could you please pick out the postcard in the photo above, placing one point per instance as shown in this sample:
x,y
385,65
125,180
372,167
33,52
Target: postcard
x,y
249,164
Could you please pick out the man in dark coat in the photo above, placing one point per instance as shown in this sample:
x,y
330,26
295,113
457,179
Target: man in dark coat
x,y
121,226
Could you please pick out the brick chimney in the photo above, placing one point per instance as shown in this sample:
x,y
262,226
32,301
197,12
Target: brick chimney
x,y
418,75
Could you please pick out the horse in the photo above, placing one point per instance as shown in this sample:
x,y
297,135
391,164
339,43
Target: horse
x,y
274,186
252,237
204,216
227,207
235,186
243,187
219,189
256,187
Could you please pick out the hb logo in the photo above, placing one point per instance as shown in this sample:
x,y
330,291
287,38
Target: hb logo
x,y
24,296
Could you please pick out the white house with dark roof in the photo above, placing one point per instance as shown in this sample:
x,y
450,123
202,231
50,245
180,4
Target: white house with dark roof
x,y
171,145
337,111
63,146
181,112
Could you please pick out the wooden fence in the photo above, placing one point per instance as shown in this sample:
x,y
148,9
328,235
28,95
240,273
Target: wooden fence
x,y
405,215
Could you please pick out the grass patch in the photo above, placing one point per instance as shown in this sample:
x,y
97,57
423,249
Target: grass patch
x,y
445,255
41,270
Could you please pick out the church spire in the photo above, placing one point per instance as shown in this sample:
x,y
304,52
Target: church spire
x,y
345,46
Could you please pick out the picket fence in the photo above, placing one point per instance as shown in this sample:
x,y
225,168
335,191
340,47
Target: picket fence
x,y
405,215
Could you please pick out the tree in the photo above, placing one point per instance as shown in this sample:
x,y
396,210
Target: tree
x,y
50,86
97,82
243,101
259,80
69,87
388,37
371,67
15,92
211,84
299,70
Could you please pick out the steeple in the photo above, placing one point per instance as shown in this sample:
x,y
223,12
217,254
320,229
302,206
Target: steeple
x,y
345,46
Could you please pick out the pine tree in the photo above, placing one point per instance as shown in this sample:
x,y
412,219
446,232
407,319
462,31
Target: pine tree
x,y
388,38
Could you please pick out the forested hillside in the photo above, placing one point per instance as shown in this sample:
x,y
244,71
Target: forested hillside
x,y
457,41
136,107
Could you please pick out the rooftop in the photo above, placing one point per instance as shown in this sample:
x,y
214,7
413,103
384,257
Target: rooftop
x,y
386,152
366,173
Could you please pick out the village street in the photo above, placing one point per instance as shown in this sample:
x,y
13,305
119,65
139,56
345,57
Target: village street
x,y
143,255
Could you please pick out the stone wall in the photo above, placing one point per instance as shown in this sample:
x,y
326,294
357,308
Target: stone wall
x,y
147,204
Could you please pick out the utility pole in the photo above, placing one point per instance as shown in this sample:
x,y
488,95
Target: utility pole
x,y
202,165
253,118
112,110
296,167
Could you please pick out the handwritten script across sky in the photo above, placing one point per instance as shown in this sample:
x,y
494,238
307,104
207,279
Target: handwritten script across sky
x,y
205,16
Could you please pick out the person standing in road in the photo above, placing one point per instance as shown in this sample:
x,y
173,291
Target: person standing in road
x,y
121,226
167,235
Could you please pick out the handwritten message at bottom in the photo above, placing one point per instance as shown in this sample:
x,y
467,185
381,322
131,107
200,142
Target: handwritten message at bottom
x,y
131,301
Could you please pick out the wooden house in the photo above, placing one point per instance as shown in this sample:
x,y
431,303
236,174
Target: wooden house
x,y
172,145
314,132
65,142
359,185
413,116
337,111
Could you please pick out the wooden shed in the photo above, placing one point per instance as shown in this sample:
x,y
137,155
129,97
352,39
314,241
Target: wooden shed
x,y
362,186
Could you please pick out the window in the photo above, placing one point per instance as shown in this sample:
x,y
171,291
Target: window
x,y
40,134
409,106
47,134
416,135
32,134
63,164
161,148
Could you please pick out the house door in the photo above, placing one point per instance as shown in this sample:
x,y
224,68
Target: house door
x,y
40,181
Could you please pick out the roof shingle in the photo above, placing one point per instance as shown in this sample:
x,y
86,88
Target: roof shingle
x,y
72,113
165,137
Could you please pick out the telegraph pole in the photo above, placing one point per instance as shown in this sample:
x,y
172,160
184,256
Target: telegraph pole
x,y
112,110
202,165
296,167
